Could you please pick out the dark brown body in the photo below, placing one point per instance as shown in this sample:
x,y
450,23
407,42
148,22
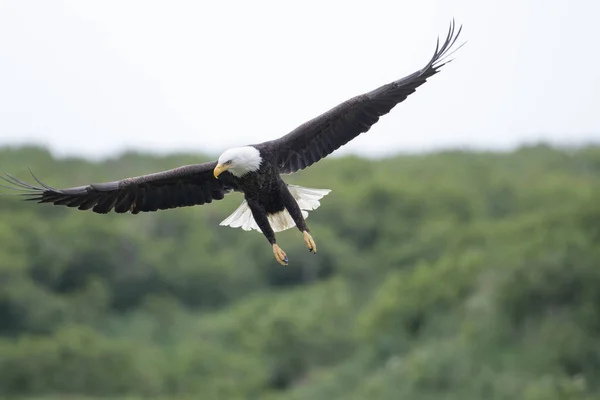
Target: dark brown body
x,y
266,193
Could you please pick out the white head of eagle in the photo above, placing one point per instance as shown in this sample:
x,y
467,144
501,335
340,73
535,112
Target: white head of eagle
x,y
239,161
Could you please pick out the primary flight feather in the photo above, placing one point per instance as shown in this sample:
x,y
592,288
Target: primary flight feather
x,y
270,205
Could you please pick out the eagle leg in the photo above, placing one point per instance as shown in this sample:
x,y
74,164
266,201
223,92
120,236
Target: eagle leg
x,y
280,255
310,243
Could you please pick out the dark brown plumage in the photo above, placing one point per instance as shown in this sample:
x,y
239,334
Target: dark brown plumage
x,y
324,134
180,187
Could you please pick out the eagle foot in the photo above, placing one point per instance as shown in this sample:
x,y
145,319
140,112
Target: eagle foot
x,y
310,243
280,255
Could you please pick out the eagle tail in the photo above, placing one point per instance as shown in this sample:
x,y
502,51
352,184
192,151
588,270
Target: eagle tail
x,y
307,198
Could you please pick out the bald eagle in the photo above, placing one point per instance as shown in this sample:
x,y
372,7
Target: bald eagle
x,y
270,205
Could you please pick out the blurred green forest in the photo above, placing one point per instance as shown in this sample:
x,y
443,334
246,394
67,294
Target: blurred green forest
x,y
450,275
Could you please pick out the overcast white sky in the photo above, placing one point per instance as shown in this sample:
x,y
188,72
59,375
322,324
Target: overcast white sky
x,y
93,78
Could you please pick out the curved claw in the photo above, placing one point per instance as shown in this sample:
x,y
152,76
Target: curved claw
x,y
280,255
310,243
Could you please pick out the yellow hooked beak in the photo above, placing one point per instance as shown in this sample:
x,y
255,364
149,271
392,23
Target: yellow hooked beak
x,y
219,169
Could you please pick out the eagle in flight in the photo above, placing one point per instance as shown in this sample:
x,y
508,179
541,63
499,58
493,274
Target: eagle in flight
x,y
270,205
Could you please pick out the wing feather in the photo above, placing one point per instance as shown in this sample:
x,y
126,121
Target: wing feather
x,y
180,187
324,134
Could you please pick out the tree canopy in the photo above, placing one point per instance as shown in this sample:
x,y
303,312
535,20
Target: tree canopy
x,y
449,275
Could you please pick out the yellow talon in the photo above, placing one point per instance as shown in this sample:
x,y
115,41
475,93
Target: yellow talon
x,y
310,243
280,255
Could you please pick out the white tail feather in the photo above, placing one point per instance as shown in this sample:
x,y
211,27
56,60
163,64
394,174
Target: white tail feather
x,y
308,200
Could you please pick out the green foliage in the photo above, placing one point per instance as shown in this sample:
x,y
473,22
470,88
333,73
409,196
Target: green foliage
x,y
454,275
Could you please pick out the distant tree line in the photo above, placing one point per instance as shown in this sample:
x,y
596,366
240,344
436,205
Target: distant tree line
x,y
454,275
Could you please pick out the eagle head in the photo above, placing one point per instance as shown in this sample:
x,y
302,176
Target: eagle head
x,y
239,161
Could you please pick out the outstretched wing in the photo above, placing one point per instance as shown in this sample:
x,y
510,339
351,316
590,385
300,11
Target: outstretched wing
x,y
180,187
324,134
